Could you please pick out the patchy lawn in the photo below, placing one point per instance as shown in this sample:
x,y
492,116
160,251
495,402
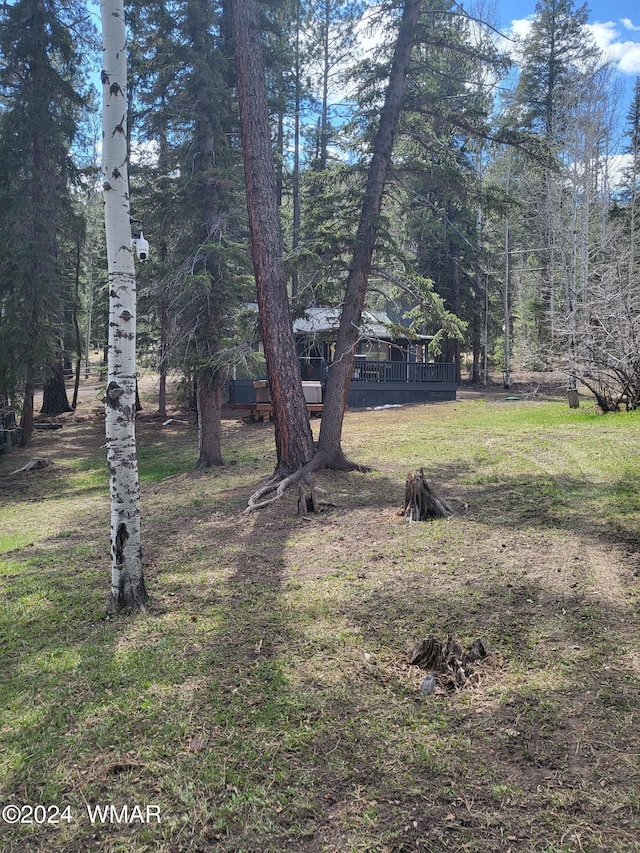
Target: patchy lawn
x,y
266,702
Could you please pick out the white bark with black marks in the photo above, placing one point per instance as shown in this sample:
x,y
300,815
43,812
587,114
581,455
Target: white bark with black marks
x,y
127,579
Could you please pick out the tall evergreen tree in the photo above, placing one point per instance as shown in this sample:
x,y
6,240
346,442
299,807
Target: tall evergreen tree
x,y
294,440
329,442
631,182
446,128
555,51
41,46
193,196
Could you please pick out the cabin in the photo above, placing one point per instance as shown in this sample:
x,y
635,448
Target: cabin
x,y
389,368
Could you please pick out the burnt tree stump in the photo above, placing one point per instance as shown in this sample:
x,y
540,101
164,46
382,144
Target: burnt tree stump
x,y
421,503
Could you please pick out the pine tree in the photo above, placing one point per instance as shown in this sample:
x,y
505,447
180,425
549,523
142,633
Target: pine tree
x,y
340,372
192,198
556,50
41,45
294,440
631,184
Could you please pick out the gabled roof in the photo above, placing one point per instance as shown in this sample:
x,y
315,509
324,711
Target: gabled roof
x,y
318,321
325,321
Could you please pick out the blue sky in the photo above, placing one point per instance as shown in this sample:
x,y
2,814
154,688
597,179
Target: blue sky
x,y
615,25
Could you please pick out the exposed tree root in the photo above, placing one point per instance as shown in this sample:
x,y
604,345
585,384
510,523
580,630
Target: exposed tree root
x,y
32,465
275,488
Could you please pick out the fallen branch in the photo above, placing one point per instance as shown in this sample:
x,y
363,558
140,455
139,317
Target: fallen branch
x,y
32,465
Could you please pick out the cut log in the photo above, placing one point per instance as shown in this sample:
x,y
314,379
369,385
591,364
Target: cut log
x,y
421,503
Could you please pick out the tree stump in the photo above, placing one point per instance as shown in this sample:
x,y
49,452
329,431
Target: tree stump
x,y
451,666
421,503
307,499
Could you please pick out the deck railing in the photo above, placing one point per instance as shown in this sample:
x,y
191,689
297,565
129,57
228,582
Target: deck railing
x,y
402,371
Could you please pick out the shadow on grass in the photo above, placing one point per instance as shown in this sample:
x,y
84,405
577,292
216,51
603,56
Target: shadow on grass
x,y
327,759
244,703
605,510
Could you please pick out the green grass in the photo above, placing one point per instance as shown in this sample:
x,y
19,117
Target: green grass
x,y
265,702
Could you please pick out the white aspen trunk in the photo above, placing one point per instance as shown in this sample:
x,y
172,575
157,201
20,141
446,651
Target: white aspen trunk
x,y
506,305
127,579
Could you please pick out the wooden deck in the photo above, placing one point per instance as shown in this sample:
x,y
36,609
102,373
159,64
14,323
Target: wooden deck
x,y
264,411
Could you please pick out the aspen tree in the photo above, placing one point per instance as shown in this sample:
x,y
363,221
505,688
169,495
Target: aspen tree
x,y
127,579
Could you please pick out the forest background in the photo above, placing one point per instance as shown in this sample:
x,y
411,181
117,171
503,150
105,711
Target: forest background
x,y
511,203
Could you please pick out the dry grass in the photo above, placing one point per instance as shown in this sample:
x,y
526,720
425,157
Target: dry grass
x,y
265,702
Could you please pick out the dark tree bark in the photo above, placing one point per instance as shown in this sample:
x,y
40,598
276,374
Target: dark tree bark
x,y
78,367
341,370
457,311
76,326
164,358
209,399
294,439
26,418
54,397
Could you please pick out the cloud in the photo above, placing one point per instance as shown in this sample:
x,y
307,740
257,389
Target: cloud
x,y
625,53
517,33
520,28
608,35
617,164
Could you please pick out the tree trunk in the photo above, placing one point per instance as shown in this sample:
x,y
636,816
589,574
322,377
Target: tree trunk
x,y
457,311
76,325
340,371
295,178
127,579
294,439
54,393
209,397
78,368
164,358
26,419
323,144
506,304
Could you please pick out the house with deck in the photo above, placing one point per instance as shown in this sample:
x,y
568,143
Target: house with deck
x,y
389,368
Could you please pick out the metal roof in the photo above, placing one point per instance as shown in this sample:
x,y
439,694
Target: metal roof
x,y
317,321
325,321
